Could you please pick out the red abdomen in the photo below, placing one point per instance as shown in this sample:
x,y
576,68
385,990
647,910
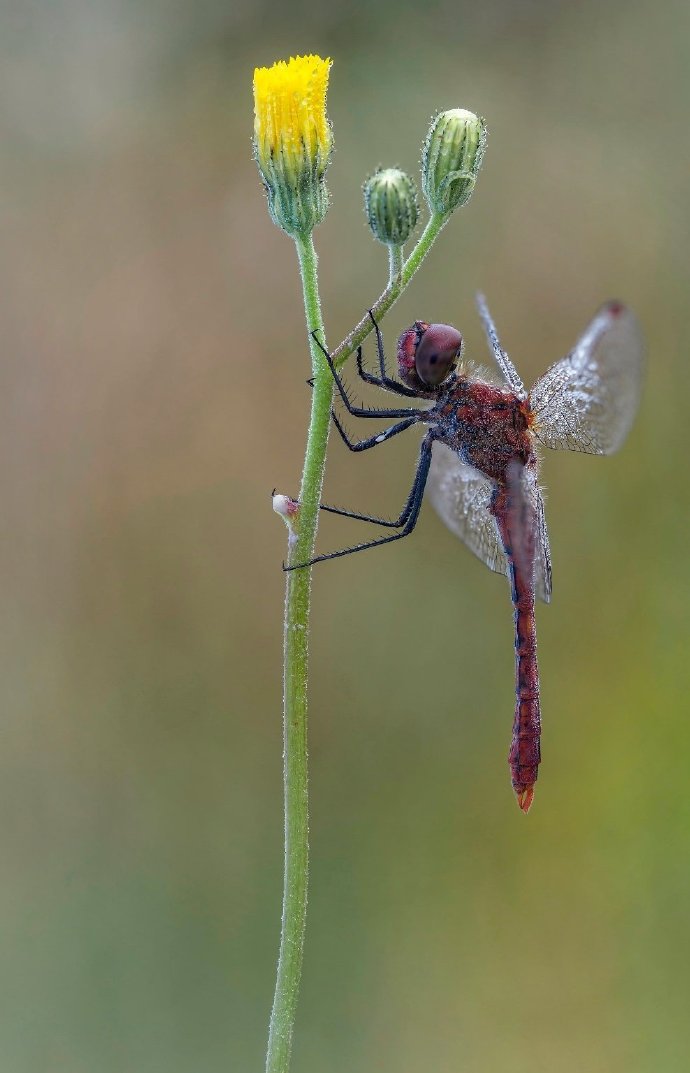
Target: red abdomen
x,y
516,523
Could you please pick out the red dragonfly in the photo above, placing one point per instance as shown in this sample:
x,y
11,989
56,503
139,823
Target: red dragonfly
x,y
479,459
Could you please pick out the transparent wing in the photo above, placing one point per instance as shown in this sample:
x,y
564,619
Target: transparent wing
x,y
508,370
461,496
542,553
587,401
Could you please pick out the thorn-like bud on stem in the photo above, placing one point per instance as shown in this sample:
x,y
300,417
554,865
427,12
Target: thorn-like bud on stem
x,y
451,159
288,509
293,140
390,204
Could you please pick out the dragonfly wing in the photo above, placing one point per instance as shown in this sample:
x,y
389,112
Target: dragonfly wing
x,y
542,552
587,401
508,370
461,497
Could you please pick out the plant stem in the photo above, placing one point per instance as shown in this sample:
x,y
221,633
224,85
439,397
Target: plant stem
x,y
395,264
394,289
295,675
296,631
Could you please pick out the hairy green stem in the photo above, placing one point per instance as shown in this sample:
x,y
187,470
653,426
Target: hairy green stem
x,y
295,674
395,264
296,631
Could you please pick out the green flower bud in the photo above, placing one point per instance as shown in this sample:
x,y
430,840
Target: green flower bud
x,y
451,158
390,204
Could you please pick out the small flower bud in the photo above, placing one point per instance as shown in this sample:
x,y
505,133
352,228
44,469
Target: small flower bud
x,y
390,204
293,140
451,158
288,509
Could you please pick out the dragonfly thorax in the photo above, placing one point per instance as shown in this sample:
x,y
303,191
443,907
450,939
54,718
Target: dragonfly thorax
x,y
488,426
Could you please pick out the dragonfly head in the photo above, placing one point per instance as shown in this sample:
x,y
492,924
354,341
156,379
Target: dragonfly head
x,y
427,355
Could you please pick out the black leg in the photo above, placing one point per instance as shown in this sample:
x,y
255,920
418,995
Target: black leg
x,y
379,348
383,380
372,441
386,522
387,384
364,445
359,411
362,373
408,515
342,513
369,378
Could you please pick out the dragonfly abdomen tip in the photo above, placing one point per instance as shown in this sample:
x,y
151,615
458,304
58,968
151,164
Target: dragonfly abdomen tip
x,y
525,799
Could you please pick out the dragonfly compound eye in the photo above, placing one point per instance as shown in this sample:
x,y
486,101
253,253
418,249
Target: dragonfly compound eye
x,y
437,353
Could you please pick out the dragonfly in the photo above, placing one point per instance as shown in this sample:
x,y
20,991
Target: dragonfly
x,y
479,460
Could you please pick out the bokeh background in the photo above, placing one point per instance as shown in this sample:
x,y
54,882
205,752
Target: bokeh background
x,y
153,368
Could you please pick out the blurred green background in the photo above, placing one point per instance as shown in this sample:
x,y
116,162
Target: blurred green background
x,y
153,366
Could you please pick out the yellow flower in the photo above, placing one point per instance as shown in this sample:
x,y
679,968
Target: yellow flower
x,y
290,111
293,140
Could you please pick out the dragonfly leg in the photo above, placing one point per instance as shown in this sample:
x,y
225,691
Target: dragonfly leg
x,y
359,411
383,380
369,378
364,445
386,522
405,522
372,441
402,517
379,348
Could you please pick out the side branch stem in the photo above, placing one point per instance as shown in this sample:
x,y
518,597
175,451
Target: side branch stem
x,y
396,285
